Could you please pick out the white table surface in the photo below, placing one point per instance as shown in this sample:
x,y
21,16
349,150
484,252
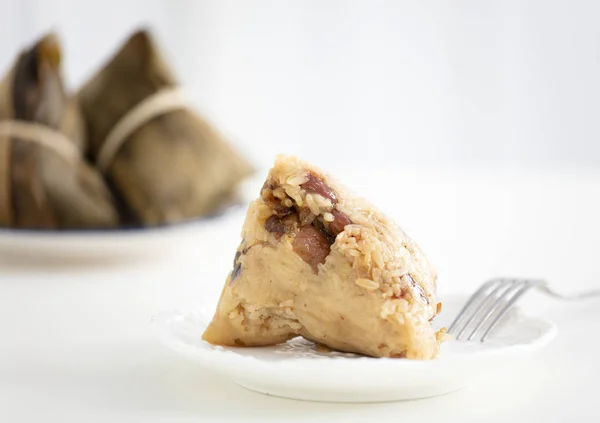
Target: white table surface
x,y
76,344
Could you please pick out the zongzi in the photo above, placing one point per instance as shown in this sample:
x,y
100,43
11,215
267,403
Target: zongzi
x,y
165,162
319,262
44,181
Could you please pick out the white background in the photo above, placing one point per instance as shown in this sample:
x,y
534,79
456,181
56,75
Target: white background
x,y
501,83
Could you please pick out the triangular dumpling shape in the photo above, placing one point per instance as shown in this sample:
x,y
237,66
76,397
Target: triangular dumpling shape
x,y
319,262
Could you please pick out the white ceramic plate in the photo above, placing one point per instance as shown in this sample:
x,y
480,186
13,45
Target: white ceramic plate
x,y
297,370
108,244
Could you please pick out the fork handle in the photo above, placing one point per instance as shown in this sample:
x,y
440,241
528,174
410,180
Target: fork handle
x,y
545,288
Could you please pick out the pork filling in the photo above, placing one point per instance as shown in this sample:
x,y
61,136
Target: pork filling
x,y
313,233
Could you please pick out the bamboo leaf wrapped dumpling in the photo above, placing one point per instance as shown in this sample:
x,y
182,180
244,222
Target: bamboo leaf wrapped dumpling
x,y
165,162
44,181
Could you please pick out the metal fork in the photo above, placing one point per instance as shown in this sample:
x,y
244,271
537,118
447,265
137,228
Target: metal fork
x,y
486,307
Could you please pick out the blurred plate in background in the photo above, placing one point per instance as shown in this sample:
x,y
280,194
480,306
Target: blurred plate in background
x,y
107,245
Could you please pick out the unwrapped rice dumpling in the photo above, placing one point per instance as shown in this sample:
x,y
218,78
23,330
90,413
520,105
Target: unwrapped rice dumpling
x,y
44,181
165,163
319,262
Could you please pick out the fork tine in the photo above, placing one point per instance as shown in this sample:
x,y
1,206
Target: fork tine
x,y
514,289
489,285
487,306
471,300
526,286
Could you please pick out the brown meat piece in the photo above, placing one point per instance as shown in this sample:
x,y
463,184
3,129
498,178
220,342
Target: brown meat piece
x,y
312,246
275,225
316,185
340,220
